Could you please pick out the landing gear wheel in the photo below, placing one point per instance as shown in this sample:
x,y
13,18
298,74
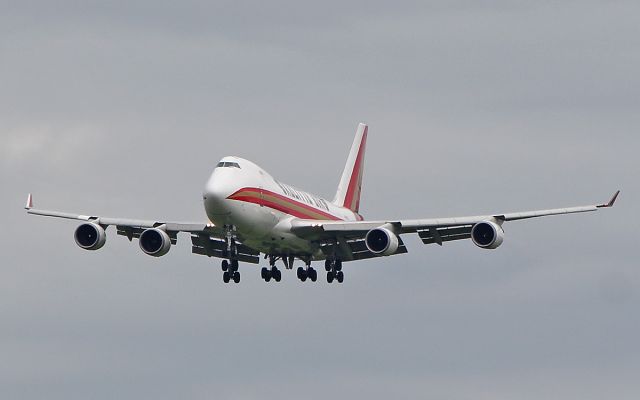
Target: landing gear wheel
x,y
225,265
327,265
277,275
225,277
236,277
330,277
264,273
234,265
340,276
338,265
313,274
302,274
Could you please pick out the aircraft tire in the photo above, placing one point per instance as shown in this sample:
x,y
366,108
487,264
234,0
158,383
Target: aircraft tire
x,y
340,276
277,275
225,277
313,274
225,265
236,277
330,277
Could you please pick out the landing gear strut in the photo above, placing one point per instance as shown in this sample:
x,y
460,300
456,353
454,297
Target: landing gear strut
x,y
230,266
334,270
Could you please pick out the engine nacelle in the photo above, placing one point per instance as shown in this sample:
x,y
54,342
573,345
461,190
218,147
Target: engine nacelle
x,y
90,236
155,242
382,242
487,235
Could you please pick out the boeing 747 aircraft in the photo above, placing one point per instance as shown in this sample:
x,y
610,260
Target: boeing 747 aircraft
x,y
250,213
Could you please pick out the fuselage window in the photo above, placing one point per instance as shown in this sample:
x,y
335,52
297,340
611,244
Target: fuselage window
x,y
302,196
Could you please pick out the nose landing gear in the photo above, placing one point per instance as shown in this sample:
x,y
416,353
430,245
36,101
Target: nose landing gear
x,y
228,276
230,266
230,271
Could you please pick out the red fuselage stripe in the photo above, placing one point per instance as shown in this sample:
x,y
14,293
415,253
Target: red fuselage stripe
x,y
281,203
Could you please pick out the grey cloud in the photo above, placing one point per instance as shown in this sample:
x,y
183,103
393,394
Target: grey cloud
x,y
123,109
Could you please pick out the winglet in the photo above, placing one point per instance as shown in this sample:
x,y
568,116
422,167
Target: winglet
x,y
611,202
29,202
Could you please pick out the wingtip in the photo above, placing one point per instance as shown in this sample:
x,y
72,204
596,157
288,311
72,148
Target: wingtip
x,y
612,201
29,204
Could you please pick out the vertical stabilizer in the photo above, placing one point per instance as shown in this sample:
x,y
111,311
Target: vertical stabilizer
x,y
348,194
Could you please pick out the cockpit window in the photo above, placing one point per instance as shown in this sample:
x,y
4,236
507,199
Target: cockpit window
x,y
228,164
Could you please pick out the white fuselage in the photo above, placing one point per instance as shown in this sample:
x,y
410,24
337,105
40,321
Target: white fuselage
x,y
242,195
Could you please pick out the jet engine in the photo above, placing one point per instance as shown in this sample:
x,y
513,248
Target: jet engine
x,y
487,235
155,242
381,242
90,236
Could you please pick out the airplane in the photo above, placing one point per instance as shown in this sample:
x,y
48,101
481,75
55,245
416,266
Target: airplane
x,y
251,213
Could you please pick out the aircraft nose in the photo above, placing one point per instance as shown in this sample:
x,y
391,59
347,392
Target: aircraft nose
x,y
215,194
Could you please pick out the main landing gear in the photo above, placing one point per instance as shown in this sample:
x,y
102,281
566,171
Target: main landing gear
x,y
307,272
272,272
334,270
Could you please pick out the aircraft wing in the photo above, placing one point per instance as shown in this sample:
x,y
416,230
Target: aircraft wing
x,y
125,223
349,236
206,238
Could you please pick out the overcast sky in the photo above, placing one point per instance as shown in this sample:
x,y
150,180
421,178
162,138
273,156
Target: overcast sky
x,y
123,109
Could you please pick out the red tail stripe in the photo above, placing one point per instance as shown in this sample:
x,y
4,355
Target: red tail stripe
x,y
355,182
